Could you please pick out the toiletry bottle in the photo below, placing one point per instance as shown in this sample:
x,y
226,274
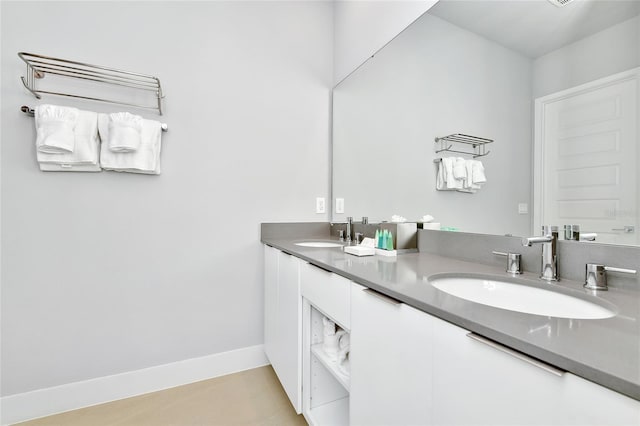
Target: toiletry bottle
x,y
389,245
377,239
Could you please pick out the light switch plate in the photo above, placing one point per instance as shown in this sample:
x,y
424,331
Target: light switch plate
x,y
339,205
320,205
523,208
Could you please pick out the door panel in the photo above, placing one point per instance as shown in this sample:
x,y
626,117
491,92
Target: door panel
x,y
589,158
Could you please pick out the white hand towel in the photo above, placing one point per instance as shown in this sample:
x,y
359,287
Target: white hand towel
x,y
452,182
85,154
124,132
459,168
475,177
467,182
145,160
54,127
441,183
478,172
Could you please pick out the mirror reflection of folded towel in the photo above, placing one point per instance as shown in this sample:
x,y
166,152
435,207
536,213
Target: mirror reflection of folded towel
x,y
458,174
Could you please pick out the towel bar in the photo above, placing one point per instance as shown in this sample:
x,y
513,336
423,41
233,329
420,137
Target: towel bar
x,y
31,112
478,144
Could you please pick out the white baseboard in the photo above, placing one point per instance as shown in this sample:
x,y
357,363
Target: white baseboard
x,y
58,399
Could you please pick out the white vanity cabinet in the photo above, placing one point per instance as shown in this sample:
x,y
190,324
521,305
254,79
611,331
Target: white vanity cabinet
x,y
475,383
283,320
408,367
391,347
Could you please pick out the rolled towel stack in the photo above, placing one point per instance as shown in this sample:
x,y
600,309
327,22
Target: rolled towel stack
x,y
458,174
83,156
125,132
54,128
144,159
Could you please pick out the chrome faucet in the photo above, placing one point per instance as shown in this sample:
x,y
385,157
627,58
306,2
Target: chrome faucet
x,y
549,270
349,225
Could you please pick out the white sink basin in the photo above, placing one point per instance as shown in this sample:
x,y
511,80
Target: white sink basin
x,y
520,298
318,244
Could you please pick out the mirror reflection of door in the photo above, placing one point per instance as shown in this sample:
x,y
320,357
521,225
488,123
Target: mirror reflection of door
x,y
587,158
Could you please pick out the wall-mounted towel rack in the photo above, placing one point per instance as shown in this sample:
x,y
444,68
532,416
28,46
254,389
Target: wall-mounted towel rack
x,y
39,66
478,144
31,112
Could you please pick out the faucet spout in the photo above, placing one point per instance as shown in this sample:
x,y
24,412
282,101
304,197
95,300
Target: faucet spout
x,y
528,242
549,268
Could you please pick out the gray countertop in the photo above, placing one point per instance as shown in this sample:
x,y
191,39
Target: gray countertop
x,y
604,351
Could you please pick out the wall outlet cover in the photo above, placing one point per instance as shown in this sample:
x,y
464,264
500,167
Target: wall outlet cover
x,y
523,208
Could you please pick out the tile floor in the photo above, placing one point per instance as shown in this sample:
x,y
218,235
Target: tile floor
x,y
252,397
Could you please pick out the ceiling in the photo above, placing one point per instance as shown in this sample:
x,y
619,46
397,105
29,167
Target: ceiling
x,y
535,27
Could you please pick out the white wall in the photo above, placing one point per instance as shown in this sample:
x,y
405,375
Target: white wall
x,y
605,53
106,273
363,27
434,79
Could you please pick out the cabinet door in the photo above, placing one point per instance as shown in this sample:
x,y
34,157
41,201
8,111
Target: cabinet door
x,y
289,328
475,383
270,301
390,362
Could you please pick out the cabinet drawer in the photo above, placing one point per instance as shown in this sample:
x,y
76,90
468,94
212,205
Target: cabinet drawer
x,y
328,292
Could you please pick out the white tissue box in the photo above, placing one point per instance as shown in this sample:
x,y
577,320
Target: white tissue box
x,y
431,225
360,250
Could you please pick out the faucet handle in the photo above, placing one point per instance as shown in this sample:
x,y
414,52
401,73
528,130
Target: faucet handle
x,y
358,235
595,277
514,264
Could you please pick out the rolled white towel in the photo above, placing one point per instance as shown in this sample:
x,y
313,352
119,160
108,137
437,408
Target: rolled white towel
x,y
145,160
125,132
54,127
84,157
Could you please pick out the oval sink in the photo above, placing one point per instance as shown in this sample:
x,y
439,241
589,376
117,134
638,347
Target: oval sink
x,y
520,298
324,244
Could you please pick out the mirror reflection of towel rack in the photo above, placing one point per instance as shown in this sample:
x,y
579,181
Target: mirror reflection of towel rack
x,y
478,144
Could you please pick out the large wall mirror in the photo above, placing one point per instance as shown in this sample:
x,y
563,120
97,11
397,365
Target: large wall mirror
x,y
557,90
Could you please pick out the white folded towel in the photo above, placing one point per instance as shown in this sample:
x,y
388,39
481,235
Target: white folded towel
x,y
478,172
475,176
467,182
446,180
459,168
124,132
54,127
84,157
145,160
458,174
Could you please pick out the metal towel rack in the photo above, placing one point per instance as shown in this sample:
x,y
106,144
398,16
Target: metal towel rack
x,y
39,66
478,144
31,112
